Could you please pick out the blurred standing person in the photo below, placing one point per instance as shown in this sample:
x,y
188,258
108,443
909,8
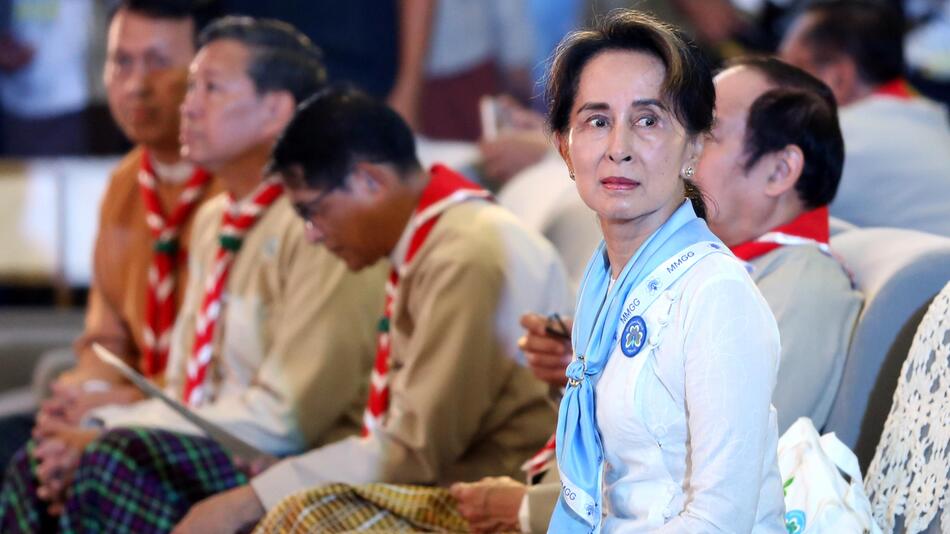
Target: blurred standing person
x,y
378,45
44,87
477,48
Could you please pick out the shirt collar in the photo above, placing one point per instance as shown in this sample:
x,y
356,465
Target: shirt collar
x,y
398,255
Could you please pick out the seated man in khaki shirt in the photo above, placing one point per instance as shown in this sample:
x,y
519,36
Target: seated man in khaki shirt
x,y
450,399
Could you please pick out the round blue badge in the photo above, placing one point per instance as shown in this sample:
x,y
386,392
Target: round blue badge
x,y
634,336
795,521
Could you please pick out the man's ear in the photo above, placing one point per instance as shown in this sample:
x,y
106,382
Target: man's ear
x,y
563,144
278,108
787,165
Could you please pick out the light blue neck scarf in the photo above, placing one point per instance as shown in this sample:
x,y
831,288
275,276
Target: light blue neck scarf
x,y
580,455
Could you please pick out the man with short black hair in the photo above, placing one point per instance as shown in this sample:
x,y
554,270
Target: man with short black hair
x,y
449,399
275,337
771,167
897,169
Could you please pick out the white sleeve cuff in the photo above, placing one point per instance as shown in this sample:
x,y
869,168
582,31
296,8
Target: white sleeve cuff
x,y
352,460
524,515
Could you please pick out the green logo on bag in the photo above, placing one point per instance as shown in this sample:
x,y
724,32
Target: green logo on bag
x,y
795,521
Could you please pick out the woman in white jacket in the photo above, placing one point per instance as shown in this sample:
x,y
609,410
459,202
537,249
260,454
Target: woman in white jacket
x,y
666,423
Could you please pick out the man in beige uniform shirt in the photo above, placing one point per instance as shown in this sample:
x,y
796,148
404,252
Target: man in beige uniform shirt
x,y
150,44
450,399
275,337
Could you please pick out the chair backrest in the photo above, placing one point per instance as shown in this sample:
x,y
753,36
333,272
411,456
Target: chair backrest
x,y
839,226
907,479
899,272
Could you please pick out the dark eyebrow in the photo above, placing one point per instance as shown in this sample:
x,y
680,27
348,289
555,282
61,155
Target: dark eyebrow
x,y
593,106
643,102
648,102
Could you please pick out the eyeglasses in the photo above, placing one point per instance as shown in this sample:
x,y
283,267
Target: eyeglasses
x,y
308,211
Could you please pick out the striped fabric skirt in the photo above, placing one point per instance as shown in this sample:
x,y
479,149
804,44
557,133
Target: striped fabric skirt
x,y
366,508
129,480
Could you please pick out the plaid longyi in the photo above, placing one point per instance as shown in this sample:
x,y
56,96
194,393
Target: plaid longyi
x,y
365,508
145,480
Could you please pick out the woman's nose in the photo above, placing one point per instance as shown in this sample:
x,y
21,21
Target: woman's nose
x,y
619,149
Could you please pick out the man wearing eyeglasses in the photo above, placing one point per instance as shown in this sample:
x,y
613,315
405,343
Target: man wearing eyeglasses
x,y
449,397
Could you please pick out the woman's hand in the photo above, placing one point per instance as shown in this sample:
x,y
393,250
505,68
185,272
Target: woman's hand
x,y
491,504
547,347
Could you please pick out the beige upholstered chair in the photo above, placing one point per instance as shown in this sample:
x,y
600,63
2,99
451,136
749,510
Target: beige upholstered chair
x,y
899,272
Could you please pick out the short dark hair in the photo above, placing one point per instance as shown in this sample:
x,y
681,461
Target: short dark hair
x,y
337,128
687,85
782,74
199,11
869,32
282,58
801,111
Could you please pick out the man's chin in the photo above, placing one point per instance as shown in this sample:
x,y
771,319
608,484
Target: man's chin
x,y
144,135
354,264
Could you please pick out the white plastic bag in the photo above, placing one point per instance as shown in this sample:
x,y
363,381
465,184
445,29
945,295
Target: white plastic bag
x,y
818,497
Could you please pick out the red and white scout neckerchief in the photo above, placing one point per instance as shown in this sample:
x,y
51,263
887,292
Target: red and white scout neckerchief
x,y
167,257
809,228
897,88
445,189
238,219
537,463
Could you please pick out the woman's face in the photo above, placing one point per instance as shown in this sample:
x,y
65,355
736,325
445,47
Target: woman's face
x,y
624,145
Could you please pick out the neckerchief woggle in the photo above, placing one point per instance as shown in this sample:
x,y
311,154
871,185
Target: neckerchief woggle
x,y
669,252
